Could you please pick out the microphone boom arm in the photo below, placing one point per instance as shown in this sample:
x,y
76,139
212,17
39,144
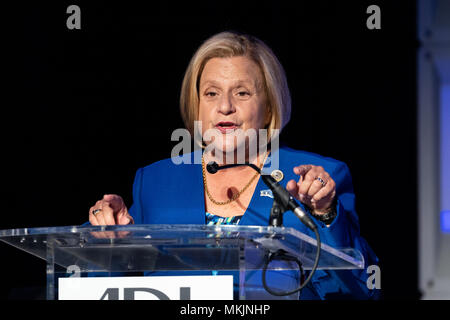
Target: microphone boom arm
x,y
282,202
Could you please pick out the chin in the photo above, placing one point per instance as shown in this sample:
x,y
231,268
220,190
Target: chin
x,y
232,143
229,149
226,147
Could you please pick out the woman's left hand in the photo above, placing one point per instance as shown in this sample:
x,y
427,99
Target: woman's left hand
x,y
315,188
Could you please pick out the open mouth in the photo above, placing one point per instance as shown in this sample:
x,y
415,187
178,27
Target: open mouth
x,y
226,126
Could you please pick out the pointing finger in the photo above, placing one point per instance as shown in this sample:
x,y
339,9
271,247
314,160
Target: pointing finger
x,y
301,170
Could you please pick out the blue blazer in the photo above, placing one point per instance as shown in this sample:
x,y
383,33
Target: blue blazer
x,y
167,193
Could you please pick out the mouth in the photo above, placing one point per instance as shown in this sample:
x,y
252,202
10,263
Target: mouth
x,y
226,126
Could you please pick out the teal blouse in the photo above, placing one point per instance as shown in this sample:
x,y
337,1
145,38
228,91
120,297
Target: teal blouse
x,y
212,219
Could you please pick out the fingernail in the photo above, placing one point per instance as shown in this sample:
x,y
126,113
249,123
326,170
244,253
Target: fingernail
x,y
313,201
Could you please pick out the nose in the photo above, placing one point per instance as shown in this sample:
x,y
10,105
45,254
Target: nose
x,y
226,105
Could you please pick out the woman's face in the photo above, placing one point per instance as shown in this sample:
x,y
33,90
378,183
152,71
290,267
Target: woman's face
x,y
232,97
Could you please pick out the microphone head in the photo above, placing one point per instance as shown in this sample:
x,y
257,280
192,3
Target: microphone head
x,y
212,167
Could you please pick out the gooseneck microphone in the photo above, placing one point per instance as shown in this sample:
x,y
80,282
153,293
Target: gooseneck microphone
x,y
282,201
282,196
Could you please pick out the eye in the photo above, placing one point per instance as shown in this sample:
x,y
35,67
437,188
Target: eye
x,y
243,93
211,94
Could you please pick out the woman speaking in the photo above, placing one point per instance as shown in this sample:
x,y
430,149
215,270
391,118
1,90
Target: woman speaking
x,y
234,85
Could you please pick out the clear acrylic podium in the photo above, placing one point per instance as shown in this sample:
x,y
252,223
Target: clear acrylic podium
x,y
167,250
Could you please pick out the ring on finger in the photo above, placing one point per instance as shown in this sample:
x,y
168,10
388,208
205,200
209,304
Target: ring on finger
x,y
321,181
96,211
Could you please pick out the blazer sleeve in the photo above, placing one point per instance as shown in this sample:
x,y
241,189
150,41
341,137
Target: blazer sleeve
x,y
136,209
344,232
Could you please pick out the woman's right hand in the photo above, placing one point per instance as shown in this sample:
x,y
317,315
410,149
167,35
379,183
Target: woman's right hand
x,y
110,210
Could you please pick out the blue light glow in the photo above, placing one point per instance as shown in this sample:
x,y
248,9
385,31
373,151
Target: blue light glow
x,y
445,158
445,221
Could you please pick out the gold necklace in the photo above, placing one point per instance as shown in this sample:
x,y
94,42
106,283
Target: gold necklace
x,y
235,196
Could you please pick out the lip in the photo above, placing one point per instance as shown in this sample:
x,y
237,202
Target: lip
x,y
226,126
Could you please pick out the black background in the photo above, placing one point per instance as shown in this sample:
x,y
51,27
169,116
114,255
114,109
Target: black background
x,y
84,109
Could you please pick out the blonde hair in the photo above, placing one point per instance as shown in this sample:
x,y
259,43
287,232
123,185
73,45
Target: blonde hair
x,y
232,44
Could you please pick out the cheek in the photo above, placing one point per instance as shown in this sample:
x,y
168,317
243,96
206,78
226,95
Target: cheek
x,y
202,112
205,115
256,116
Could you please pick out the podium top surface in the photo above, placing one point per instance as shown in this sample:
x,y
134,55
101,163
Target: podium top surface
x,y
135,238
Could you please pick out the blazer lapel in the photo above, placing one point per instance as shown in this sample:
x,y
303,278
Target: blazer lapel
x,y
191,205
258,211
